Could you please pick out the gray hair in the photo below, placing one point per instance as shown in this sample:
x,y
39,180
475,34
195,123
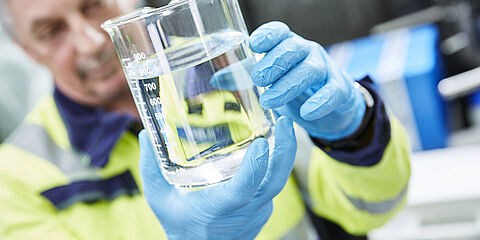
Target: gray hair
x,y
6,20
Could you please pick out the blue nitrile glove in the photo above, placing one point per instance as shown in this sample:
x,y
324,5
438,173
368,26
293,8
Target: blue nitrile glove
x,y
305,84
235,77
236,209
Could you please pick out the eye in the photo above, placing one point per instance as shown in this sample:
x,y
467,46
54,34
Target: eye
x,y
92,8
195,109
231,106
51,31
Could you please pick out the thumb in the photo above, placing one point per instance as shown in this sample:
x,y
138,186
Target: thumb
x,y
240,189
323,102
233,77
154,184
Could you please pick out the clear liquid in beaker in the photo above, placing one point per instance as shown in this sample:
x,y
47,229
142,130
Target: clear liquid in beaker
x,y
203,112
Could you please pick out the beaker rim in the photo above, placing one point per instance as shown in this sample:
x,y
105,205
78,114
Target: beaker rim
x,y
141,13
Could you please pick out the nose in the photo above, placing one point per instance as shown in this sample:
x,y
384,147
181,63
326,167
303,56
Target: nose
x,y
87,39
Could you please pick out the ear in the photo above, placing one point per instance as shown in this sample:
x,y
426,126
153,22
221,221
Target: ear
x,y
30,52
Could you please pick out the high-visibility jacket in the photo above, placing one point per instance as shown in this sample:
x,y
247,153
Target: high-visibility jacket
x,y
48,189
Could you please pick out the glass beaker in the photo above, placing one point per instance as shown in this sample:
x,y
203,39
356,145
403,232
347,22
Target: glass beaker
x,y
188,66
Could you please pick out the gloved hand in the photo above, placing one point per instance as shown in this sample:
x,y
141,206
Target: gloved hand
x,y
304,84
233,77
236,209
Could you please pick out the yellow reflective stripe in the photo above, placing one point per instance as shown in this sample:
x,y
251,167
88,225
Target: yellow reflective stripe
x,y
380,207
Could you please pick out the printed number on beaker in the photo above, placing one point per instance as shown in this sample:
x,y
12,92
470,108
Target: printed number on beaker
x,y
139,56
146,71
150,86
155,101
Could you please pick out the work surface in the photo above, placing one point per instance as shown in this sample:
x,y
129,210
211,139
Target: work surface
x,y
444,197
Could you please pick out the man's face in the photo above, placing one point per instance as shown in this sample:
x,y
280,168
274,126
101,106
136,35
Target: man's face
x,y
65,35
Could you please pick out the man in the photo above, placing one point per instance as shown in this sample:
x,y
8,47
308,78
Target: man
x,y
71,170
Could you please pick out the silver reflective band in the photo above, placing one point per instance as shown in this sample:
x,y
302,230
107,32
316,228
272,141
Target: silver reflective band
x,y
304,230
377,208
35,140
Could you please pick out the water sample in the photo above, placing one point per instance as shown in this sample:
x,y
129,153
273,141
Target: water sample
x,y
202,113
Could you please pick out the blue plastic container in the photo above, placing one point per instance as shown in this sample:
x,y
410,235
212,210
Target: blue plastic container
x,y
406,64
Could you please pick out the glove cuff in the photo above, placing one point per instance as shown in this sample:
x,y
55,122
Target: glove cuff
x,y
367,148
366,118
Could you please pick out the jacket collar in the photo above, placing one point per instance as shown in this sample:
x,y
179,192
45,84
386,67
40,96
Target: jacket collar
x,y
92,130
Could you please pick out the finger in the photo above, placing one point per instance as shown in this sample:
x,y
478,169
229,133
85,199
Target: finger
x,y
232,78
323,102
267,36
154,184
280,60
240,189
311,73
281,162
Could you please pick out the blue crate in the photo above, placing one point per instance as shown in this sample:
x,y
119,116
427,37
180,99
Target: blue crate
x,y
407,65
